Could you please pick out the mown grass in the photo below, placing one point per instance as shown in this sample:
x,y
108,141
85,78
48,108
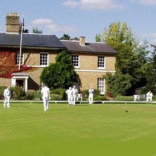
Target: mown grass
x,y
81,130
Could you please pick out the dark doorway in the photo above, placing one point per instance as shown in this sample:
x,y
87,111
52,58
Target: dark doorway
x,y
19,83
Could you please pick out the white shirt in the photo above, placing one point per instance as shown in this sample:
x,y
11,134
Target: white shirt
x,y
91,91
6,92
149,94
45,91
69,92
75,91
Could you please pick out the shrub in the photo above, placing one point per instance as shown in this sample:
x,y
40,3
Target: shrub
x,y
17,93
60,92
85,94
99,98
29,95
55,97
1,92
124,98
37,95
154,98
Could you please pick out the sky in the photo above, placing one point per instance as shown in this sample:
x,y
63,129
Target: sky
x,y
83,17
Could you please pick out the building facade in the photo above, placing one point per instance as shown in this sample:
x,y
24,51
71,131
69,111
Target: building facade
x,y
90,60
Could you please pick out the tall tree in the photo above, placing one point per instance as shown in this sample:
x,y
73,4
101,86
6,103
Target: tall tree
x,y
37,31
126,44
60,74
65,37
151,73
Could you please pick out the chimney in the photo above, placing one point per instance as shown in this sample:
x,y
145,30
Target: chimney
x,y
12,23
82,40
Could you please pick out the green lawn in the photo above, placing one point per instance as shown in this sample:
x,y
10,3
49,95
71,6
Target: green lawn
x,y
81,130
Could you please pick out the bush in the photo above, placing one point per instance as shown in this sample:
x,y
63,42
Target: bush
x,y
37,95
124,98
60,92
17,93
29,95
99,98
154,98
85,94
55,97
1,92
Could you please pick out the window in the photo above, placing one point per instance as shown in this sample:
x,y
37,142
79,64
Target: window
x,y
101,62
44,59
75,60
101,85
19,59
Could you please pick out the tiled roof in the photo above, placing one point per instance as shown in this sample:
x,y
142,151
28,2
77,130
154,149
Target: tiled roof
x,y
30,40
89,47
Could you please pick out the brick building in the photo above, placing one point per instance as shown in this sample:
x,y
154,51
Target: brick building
x,y
91,60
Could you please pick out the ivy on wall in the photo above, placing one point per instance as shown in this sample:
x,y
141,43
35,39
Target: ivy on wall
x,y
8,65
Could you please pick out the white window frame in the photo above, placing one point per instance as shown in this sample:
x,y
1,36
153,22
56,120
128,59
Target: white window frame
x,y
101,85
17,58
101,62
41,61
74,61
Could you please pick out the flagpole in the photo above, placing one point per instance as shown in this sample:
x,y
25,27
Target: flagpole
x,y
19,65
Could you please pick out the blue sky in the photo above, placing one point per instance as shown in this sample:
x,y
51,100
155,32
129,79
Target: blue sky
x,y
84,17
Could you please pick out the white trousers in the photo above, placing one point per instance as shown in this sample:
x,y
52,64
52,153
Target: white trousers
x,y
90,98
45,103
7,101
149,99
70,99
74,99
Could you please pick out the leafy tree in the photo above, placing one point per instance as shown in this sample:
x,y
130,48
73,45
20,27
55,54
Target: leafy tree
x,y
98,38
37,31
60,74
75,38
151,73
25,31
130,53
118,84
65,37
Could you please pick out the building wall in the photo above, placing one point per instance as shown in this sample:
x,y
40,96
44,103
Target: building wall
x,y
32,58
88,71
5,82
89,62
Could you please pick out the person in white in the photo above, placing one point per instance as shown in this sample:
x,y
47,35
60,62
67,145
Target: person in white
x,y
91,94
45,92
70,95
136,98
75,92
149,96
7,95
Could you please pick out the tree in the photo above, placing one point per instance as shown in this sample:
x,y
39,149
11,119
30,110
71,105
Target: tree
x,y
151,73
65,37
37,31
75,39
128,58
60,74
98,38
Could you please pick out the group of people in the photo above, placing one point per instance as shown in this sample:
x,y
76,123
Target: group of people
x,y
73,96
148,96
72,93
